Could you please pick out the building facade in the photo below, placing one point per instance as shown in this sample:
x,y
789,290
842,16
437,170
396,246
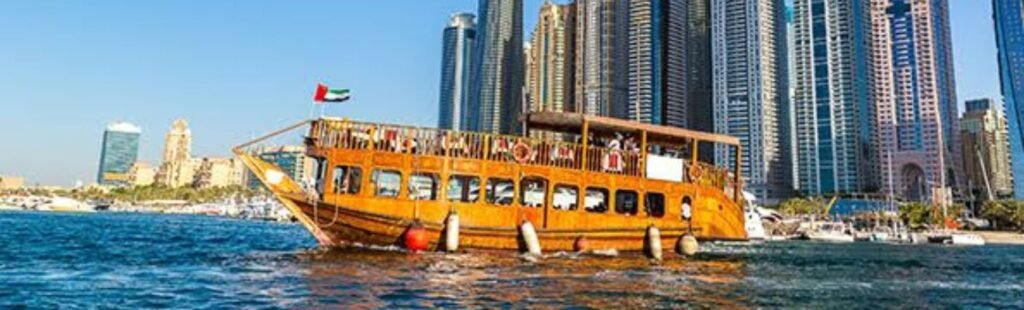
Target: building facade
x,y
497,90
219,172
141,174
456,68
750,85
986,150
834,112
119,151
11,183
178,168
550,69
602,41
1009,23
915,97
658,72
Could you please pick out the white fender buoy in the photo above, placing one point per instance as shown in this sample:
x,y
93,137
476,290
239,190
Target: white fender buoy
x,y
687,245
451,240
530,238
653,242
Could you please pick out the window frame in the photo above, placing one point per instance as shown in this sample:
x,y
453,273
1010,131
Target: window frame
x,y
490,191
575,201
607,199
435,185
522,192
468,193
375,179
636,201
355,179
648,204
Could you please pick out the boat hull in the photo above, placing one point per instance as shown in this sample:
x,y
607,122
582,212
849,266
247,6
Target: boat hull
x,y
336,225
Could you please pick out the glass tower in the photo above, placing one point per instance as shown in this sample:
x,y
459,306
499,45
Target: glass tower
x,y
915,98
120,150
749,81
1010,40
456,67
833,109
499,66
657,62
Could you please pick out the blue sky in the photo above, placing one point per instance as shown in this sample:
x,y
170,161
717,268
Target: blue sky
x,y
69,67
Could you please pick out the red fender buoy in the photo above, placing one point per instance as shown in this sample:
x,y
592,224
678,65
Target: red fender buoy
x,y
581,244
415,238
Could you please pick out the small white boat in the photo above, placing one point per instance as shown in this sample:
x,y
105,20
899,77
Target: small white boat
x,y
966,239
830,232
752,218
61,204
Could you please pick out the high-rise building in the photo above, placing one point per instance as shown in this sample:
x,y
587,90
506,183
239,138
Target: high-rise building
x,y
658,71
1009,21
219,172
456,68
550,66
11,182
120,150
832,103
986,150
602,41
915,96
498,65
699,83
749,59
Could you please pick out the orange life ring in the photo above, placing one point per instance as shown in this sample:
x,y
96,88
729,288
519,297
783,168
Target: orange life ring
x,y
521,152
695,174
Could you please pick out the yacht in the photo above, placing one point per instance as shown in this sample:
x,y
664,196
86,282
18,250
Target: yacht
x,y
830,232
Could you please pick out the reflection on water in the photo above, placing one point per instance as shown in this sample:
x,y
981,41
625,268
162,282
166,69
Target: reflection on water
x,y
378,278
148,261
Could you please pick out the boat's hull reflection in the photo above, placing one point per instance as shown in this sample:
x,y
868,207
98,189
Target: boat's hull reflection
x,y
382,277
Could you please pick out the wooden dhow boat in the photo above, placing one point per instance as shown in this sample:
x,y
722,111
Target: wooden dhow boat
x,y
580,181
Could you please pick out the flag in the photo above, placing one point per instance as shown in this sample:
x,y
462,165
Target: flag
x,y
325,94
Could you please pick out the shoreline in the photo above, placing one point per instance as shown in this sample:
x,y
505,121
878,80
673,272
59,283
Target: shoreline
x,y
1002,237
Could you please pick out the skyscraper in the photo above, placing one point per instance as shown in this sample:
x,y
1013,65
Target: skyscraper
x,y
119,152
986,150
657,62
915,96
1009,21
699,83
602,40
833,107
551,70
749,58
498,65
456,67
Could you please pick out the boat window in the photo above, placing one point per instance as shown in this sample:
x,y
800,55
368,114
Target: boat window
x,y
347,179
533,192
626,202
596,200
387,182
565,197
654,204
500,192
317,183
463,188
423,186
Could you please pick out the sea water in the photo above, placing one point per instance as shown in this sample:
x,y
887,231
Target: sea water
x,y
131,261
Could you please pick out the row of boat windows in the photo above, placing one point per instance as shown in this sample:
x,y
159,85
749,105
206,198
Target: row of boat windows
x,y
533,191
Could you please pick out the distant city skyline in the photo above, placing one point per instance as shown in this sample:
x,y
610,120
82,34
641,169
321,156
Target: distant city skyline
x,y
235,72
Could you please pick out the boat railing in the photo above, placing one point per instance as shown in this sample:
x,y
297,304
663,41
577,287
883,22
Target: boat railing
x,y
492,147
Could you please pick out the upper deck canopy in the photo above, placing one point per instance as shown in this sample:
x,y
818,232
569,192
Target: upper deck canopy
x,y
573,122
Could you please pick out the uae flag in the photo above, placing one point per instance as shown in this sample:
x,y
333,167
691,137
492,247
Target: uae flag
x,y
325,94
